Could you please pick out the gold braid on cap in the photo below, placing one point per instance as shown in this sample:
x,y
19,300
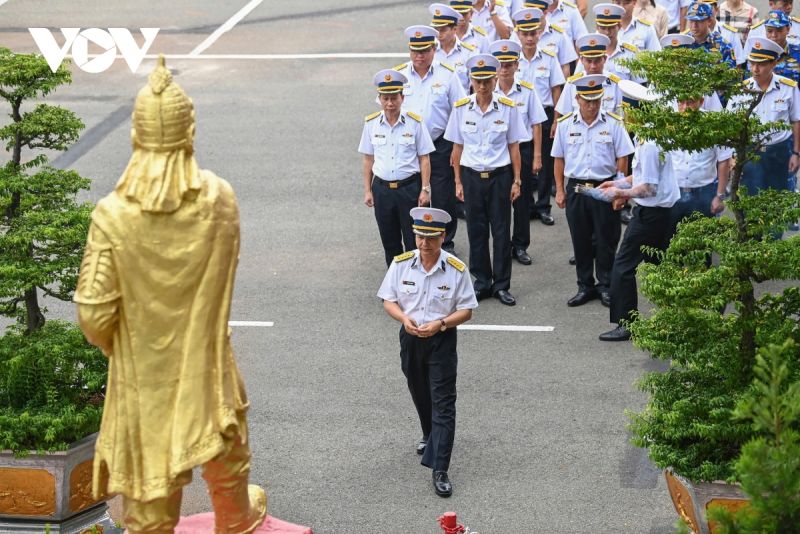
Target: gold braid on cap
x,y
162,115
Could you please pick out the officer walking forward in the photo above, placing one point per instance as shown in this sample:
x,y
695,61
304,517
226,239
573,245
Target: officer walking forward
x,y
429,291
590,147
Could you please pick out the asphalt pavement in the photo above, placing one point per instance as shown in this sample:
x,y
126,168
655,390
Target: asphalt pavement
x,y
541,440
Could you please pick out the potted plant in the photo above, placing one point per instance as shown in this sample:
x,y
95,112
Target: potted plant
x,y
51,380
687,425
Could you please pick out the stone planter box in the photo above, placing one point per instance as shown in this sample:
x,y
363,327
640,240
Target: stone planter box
x,y
693,499
52,490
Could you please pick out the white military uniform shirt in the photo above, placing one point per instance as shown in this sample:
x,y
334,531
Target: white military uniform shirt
x,y
612,66
555,41
483,19
590,151
477,38
759,30
649,169
673,9
397,148
699,167
431,96
428,296
567,17
640,34
530,108
457,57
485,136
734,38
544,72
567,103
781,103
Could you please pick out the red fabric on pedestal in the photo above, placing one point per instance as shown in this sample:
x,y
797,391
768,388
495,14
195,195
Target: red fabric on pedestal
x,y
204,524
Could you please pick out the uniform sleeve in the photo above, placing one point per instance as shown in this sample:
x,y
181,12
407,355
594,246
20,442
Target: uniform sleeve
x,y
578,25
424,141
712,103
558,141
723,153
388,289
505,17
483,44
653,45
365,146
536,112
517,129
650,164
622,141
556,74
738,50
566,51
453,131
465,293
566,102
794,110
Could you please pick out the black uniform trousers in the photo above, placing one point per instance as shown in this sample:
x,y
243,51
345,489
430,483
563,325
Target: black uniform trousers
x,y
521,237
488,204
392,206
588,217
443,187
544,180
430,366
648,227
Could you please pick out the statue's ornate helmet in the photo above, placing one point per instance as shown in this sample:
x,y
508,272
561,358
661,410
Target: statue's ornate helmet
x,y
163,116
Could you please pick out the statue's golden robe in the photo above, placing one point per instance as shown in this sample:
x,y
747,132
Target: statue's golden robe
x,y
154,293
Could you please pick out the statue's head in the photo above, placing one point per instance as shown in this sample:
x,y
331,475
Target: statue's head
x,y
163,116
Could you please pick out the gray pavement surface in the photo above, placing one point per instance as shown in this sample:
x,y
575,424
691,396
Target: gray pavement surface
x,y
541,441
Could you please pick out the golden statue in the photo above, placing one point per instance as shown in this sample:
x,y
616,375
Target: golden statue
x,y
154,294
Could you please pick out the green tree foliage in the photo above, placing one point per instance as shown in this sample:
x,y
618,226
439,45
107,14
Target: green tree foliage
x,y
687,422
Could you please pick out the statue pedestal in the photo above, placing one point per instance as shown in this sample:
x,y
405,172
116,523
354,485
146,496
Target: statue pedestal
x,y
204,523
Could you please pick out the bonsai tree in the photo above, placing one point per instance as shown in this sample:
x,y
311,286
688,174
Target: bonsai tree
x,y
50,379
687,423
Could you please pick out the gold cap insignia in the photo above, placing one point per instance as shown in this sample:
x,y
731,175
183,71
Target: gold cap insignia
x,y
437,12
418,34
592,42
504,48
592,83
388,78
606,11
481,63
675,42
427,217
773,15
528,16
757,45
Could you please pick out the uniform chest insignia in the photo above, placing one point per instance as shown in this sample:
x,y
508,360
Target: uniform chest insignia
x,y
409,282
574,134
380,136
443,288
456,263
407,134
604,132
437,85
520,104
404,256
499,121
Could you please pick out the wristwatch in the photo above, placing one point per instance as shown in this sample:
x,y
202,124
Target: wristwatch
x,y
722,196
517,182
426,188
444,325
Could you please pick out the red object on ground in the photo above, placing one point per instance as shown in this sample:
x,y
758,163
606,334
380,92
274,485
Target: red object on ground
x,y
449,523
204,524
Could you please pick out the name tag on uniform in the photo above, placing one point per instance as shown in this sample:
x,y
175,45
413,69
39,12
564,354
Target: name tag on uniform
x,y
408,90
378,139
408,287
575,138
470,127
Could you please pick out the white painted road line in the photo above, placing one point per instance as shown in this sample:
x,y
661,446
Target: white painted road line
x,y
506,328
251,323
229,24
338,55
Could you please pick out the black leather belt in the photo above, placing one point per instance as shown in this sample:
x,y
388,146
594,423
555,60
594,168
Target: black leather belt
x,y
485,175
394,184
590,182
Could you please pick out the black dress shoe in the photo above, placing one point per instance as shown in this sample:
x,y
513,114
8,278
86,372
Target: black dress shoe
x,y
571,260
547,219
423,442
441,484
620,333
521,256
505,297
605,299
581,298
483,295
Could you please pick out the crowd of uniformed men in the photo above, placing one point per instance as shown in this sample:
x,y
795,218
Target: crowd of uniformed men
x,y
501,103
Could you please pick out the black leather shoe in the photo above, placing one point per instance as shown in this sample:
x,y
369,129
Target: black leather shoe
x,y
571,260
626,216
521,256
620,333
581,298
505,297
423,442
605,299
547,219
441,484
483,295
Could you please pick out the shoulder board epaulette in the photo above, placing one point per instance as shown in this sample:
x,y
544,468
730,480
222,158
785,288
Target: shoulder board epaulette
x,y
404,256
463,101
401,66
565,117
500,3
455,263
548,52
614,78
614,115
559,29
371,116
480,30
730,28
507,101
795,19
632,47
645,22
448,67
414,116
757,24
523,83
787,81
570,4
574,77
469,47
